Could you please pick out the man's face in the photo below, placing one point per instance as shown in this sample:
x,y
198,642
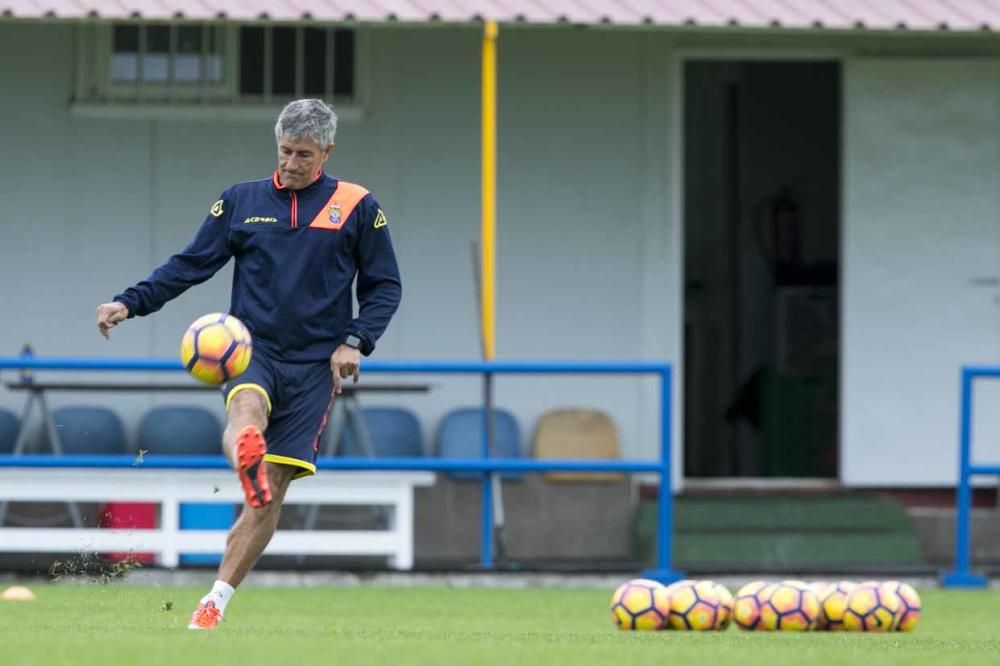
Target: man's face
x,y
299,160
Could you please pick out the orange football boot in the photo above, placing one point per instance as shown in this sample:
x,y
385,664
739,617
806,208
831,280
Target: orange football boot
x,y
250,467
205,616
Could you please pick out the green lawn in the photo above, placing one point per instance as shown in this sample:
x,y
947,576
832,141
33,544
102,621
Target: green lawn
x,y
120,624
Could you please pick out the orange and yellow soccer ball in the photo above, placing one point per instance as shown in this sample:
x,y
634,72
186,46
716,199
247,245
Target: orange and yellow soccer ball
x,y
788,606
726,604
871,607
833,603
746,605
908,616
678,584
640,604
216,348
694,605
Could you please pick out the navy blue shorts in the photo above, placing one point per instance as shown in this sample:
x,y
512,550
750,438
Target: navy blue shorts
x,y
299,396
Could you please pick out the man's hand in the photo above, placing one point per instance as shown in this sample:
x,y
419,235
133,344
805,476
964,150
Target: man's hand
x,y
108,316
346,361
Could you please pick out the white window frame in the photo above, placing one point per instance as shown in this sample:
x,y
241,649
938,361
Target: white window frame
x,y
97,96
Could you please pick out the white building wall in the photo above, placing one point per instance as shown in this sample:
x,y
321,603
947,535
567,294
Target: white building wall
x,y
589,247
921,285
588,268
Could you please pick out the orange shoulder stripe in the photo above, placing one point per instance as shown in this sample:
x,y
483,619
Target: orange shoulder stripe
x,y
339,207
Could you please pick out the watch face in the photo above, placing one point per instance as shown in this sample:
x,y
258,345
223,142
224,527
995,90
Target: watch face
x,y
353,341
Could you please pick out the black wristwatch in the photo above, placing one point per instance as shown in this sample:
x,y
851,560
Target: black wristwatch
x,y
352,340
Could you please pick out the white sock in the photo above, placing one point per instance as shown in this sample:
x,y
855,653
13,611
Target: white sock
x,y
221,594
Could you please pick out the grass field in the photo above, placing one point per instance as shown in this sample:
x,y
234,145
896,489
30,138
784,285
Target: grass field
x,y
120,624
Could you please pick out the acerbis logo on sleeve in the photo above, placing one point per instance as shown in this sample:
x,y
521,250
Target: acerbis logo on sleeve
x,y
216,209
380,220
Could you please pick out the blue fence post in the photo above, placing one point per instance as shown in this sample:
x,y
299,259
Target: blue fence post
x,y
664,571
962,576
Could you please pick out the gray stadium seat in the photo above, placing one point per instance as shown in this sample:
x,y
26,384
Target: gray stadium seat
x,y
394,431
460,435
89,431
9,428
180,430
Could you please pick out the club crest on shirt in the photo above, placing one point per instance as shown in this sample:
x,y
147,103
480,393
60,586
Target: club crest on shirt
x,y
335,214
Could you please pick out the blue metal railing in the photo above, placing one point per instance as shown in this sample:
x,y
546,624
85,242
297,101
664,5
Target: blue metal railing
x,y
486,465
962,575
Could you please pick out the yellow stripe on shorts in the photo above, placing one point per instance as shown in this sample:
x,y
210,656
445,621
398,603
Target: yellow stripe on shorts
x,y
306,469
254,387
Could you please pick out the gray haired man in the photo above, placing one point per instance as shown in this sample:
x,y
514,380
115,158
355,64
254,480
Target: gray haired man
x,y
299,238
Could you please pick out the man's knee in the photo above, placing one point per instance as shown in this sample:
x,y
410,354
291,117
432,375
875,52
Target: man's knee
x,y
247,405
279,477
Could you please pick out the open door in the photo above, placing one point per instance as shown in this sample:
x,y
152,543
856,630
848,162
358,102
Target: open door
x,y
921,263
761,236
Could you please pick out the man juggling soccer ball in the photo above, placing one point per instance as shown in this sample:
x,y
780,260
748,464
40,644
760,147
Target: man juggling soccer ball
x,y
299,239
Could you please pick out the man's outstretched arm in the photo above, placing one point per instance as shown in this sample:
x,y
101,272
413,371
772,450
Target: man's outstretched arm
x,y
200,260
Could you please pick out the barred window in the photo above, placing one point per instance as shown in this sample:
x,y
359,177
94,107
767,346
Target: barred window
x,y
215,64
164,54
296,62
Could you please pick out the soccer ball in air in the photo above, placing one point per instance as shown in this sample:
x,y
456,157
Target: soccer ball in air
x,y
908,616
746,606
216,348
833,603
788,606
694,605
871,607
640,604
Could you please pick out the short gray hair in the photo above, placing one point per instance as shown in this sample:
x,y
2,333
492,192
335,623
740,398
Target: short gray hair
x,y
307,119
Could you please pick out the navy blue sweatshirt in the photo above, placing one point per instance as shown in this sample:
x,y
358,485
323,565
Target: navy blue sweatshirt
x,y
297,253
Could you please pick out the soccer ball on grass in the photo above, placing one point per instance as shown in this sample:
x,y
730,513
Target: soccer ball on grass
x,y
694,605
833,603
871,607
788,606
640,604
726,604
746,606
908,616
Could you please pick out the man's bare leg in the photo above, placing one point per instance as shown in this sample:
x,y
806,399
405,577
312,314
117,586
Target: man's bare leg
x,y
244,545
246,407
254,528
244,445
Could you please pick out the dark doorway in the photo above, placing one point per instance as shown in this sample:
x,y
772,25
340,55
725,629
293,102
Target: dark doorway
x,y
762,251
